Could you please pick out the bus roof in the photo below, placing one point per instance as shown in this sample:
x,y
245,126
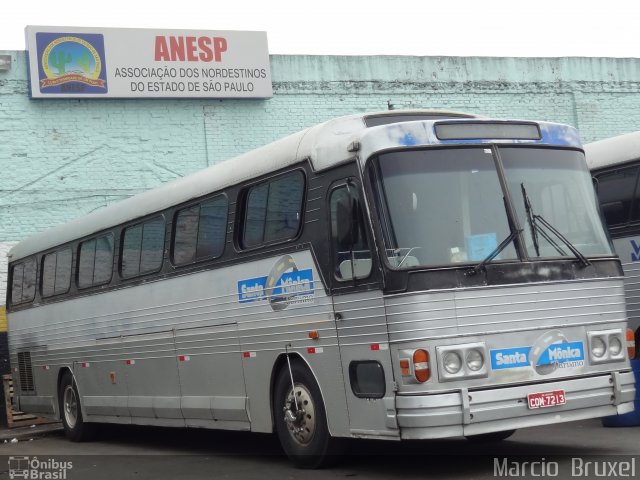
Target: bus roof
x,y
325,145
613,151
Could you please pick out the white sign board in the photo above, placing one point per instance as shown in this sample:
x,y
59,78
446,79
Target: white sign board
x,y
79,62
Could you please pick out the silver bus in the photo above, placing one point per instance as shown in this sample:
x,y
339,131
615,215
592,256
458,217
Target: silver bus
x,y
615,166
397,275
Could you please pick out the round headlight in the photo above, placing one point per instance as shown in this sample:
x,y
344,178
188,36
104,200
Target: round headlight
x,y
615,346
597,347
475,360
452,362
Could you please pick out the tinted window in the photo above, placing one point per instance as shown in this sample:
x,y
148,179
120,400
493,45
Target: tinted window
x,y
212,230
95,261
186,235
615,192
152,245
349,254
130,261
63,271
200,231
284,208
56,273
86,262
29,281
256,213
274,210
48,274
143,248
103,268
17,277
23,282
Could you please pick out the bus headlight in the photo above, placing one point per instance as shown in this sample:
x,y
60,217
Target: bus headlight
x,y
606,346
475,360
598,347
452,362
457,362
615,346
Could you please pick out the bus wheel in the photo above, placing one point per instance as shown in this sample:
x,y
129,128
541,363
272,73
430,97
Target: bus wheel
x,y
300,418
75,428
491,437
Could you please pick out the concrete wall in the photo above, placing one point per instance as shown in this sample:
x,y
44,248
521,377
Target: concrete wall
x,y
64,158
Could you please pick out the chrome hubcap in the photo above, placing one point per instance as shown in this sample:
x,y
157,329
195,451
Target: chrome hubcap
x,y
300,420
70,406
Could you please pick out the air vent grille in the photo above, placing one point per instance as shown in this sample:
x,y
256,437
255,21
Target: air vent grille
x,y
25,371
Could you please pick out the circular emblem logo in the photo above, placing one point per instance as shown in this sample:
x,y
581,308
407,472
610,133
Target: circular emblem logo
x,y
71,59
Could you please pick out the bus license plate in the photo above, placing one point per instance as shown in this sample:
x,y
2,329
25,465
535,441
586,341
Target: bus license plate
x,y
546,399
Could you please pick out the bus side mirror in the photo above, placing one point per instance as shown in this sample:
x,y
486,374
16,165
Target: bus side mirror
x,y
347,226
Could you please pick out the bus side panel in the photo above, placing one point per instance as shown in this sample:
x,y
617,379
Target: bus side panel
x,y
274,321
628,249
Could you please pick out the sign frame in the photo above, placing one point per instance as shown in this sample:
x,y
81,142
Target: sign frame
x,y
84,62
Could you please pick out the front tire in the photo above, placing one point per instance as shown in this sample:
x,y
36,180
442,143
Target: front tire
x,y
75,428
300,418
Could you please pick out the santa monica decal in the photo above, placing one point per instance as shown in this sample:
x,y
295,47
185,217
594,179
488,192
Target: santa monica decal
x,y
285,285
549,352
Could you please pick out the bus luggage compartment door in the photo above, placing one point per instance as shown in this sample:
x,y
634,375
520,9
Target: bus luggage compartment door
x,y
366,364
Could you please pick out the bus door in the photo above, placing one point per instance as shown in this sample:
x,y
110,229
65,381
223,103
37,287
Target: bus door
x,y
360,318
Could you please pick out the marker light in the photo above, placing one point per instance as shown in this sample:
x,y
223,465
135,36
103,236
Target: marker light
x,y
404,366
452,362
421,368
475,360
631,344
598,347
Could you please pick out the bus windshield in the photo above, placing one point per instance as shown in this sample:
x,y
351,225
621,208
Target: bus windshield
x,y
558,185
442,207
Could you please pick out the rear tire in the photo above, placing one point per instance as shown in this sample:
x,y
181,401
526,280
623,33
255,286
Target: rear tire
x,y
75,428
302,429
491,437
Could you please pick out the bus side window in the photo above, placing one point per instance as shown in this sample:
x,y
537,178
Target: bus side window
x,y
23,282
95,261
273,210
615,191
142,248
200,231
348,238
56,273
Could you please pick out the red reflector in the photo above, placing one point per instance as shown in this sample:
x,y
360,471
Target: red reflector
x,y
375,346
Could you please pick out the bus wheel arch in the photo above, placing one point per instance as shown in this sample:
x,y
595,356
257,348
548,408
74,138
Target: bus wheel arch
x,y
75,427
299,414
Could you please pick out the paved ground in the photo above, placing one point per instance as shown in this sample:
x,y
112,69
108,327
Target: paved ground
x,y
154,453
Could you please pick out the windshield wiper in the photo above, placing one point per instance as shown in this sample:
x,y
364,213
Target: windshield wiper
x,y
533,220
496,252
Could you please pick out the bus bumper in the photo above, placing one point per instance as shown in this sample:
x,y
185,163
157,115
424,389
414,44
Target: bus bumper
x,y
472,412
